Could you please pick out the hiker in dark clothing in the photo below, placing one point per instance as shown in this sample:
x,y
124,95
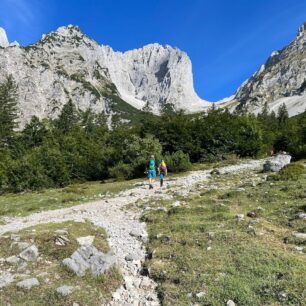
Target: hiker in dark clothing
x,y
162,169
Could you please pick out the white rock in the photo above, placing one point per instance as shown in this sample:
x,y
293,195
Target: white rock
x,y
65,290
230,303
278,162
302,215
300,235
28,283
200,295
88,240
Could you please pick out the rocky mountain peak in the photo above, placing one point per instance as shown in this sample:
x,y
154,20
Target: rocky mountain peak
x,y
302,30
3,39
282,79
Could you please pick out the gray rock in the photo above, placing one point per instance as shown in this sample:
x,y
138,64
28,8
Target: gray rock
x,y
65,290
211,234
13,260
131,257
30,253
277,163
88,257
28,283
5,278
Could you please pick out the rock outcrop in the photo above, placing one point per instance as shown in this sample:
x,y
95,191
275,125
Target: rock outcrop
x,y
282,79
3,39
278,162
66,64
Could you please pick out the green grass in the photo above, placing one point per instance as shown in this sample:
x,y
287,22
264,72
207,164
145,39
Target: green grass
x,y
30,202
252,262
91,290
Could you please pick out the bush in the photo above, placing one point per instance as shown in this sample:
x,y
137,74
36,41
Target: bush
x,y
121,171
178,162
291,172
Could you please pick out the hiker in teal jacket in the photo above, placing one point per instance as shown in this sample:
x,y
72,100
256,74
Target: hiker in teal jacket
x,y
151,169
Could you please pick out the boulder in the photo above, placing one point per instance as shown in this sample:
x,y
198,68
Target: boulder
x,y
28,283
13,260
30,253
65,290
277,163
5,279
89,258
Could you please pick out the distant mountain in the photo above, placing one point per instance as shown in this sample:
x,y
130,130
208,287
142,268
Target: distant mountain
x,y
66,64
282,79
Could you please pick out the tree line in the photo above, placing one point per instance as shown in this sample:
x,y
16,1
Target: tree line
x,y
80,146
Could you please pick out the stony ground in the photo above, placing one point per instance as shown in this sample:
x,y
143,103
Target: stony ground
x,y
126,233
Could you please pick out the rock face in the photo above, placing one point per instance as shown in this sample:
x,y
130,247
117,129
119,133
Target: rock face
x,y
277,163
3,39
282,79
66,64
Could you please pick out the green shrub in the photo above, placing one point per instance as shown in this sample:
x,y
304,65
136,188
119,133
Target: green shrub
x,y
121,171
178,162
291,172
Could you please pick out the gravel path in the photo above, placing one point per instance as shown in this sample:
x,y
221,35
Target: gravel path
x,y
126,233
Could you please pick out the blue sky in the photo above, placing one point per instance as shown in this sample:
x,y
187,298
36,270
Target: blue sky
x,y
227,40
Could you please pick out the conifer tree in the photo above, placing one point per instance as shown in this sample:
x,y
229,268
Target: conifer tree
x,y
8,110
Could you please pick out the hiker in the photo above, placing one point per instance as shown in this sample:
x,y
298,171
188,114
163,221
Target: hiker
x,y
162,169
151,169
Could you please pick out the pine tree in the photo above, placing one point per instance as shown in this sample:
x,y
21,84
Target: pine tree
x,y
282,114
8,110
68,117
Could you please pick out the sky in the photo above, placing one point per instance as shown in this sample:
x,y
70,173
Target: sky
x,y
227,40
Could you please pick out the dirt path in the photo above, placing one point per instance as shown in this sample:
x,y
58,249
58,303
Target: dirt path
x,y
126,233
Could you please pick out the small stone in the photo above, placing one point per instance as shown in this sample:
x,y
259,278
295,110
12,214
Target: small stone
x,y
88,240
302,216
189,295
29,254
200,295
209,248
65,290
240,217
176,204
300,235
211,234
75,304
15,237
252,214
13,260
131,257
230,303
28,283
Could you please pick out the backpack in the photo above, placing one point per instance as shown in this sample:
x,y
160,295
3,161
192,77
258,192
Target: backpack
x,y
163,167
152,164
